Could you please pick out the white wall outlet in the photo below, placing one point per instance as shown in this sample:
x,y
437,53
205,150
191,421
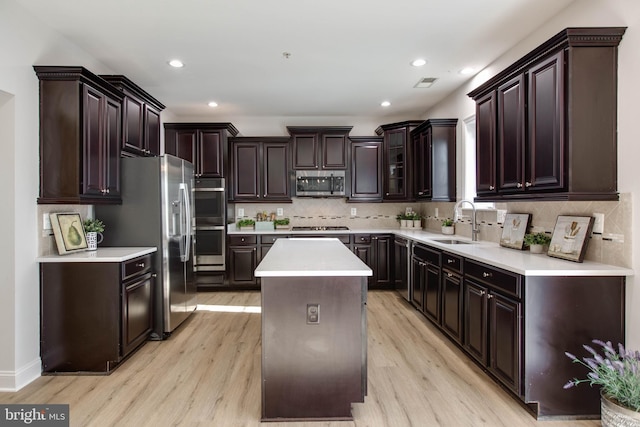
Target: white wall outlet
x,y
240,212
598,224
279,211
46,222
354,211
500,215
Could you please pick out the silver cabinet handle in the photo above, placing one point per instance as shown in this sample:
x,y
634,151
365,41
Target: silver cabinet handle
x,y
140,264
450,261
527,184
519,185
491,187
485,274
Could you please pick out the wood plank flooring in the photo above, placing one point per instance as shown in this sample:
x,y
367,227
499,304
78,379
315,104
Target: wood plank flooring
x,y
208,374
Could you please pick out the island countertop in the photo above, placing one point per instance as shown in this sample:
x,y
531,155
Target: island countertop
x,y
311,257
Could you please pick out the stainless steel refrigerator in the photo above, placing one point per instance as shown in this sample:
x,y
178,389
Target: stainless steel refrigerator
x,y
157,210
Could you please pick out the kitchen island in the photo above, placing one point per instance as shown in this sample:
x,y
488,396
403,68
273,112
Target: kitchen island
x,y
314,339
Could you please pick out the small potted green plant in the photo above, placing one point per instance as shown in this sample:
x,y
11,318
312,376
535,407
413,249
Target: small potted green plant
x,y
246,224
93,229
403,219
414,219
448,226
282,223
537,241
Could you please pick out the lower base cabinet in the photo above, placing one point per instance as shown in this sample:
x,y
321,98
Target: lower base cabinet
x,y
94,314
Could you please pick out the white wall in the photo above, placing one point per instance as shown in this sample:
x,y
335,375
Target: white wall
x,y
588,13
23,42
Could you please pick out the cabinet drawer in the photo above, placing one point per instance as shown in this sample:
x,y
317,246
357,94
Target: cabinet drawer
x,y
452,262
428,255
362,238
136,266
244,240
496,278
270,239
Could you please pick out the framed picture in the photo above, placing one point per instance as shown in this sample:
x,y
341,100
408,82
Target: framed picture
x,y
570,237
69,232
513,230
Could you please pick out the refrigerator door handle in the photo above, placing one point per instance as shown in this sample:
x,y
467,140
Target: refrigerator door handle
x,y
185,224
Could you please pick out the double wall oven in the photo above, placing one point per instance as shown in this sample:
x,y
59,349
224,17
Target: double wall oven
x,y
210,224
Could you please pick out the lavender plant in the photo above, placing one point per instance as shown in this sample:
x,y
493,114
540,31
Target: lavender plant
x,y
617,371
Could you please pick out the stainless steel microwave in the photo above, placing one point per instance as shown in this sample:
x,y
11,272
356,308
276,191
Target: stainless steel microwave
x,y
320,183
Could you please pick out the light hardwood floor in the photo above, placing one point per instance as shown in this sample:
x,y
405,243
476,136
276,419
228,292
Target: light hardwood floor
x,y
208,374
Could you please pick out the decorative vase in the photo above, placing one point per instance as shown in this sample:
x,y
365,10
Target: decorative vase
x,y
417,223
93,238
614,415
404,223
536,249
448,230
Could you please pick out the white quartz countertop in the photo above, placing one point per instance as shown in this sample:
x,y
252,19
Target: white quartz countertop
x,y
517,261
298,257
114,254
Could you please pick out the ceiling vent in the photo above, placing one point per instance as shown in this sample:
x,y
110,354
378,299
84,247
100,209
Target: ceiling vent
x,y
425,82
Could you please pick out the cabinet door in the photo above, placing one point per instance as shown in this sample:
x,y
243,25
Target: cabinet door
x,y
242,264
185,144
152,130
305,151
112,139
401,254
452,305
210,154
395,182
93,142
366,171
382,261
275,172
137,313
432,293
486,145
546,124
475,320
334,153
422,163
417,282
511,138
365,253
505,337
133,125
246,170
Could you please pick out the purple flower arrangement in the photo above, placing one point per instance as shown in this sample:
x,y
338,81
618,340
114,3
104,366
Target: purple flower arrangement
x,y
616,370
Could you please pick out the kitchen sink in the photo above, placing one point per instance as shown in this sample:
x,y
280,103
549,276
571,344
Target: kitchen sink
x,y
452,241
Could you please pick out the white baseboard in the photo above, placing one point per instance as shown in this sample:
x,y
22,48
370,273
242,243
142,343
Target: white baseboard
x,y
15,380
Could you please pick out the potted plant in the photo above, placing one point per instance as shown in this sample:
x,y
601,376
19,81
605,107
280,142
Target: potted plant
x,y
93,229
246,224
282,223
447,226
537,241
617,371
403,219
415,219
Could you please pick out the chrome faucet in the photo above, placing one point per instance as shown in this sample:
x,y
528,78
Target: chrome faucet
x,y
474,225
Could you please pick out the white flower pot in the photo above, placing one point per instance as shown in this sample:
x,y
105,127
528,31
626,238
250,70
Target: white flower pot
x,y
404,223
417,223
448,230
614,415
536,249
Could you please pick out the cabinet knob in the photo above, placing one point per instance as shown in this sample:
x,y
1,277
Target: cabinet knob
x,y
140,264
449,274
489,296
154,275
420,193
518,185
255,249
527,184
386,194
242,239
491,187
450,261
482,293
485,274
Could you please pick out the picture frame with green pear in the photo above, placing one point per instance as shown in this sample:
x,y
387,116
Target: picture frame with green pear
x,y
68,232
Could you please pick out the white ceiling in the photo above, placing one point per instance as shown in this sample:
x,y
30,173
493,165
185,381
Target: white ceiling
x,y
346,55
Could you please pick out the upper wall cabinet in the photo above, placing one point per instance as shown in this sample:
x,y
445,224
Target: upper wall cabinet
x,y
141,118
434,153
203,144
366,169
319,148
80,134
397,177
547,125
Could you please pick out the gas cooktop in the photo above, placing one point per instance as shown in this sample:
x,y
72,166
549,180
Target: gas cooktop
x,y
320,228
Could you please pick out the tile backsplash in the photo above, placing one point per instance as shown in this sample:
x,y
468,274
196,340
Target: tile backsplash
x,y
612,247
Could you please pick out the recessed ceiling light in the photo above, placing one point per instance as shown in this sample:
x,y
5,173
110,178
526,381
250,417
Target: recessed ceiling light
x,y
385,103
467,70
213,104
418,62
176,63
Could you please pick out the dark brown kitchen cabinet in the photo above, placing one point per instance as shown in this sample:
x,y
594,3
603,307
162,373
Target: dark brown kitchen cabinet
x,y
316,148
363,249
260,169
401,266
434,164
397,160
80,134
426,278
243,260
366,169
546,126
203,144
94,314
376,250
141,118
451,317
493,321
